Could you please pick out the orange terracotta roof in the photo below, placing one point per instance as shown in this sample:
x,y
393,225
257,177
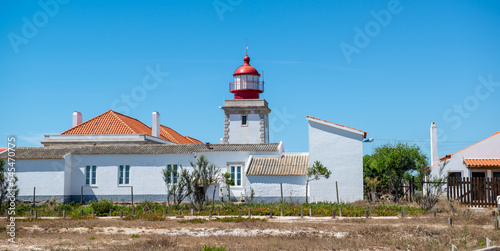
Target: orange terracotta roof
x,y
482,163
195,141
448,156
173,136
364,136
112,122
3,149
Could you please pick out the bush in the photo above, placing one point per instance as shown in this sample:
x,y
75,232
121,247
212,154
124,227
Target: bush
x,y
102,207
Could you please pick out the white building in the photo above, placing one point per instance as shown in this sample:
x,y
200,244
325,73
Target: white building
x,y
481,159
112,154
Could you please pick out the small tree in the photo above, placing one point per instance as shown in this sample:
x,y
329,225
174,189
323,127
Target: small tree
x,y
229,182
176,186
394,161
315,172
200,179
214,178
433,189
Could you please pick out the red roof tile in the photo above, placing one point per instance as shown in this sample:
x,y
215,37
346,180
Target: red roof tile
x,y
364,136
3,149
482,163
112,122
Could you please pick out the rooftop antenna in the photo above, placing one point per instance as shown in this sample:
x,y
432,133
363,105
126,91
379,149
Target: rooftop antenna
x,y
246,48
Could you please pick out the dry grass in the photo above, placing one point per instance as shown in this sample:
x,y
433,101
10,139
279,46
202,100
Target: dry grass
x,y
279,233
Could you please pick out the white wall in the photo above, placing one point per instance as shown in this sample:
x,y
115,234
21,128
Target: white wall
x,y
487,149
267,188
342,152
46,175
249,134
145,173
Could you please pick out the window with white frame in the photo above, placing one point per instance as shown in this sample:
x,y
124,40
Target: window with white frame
x,y
236,174
171,173
124,175
90,175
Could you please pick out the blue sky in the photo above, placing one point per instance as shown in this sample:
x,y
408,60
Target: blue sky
x,y
386,67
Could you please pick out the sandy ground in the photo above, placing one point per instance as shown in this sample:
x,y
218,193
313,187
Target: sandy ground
x,y
277,233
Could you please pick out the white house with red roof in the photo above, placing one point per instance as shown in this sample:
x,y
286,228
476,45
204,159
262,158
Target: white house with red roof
x,y
112,154
481,159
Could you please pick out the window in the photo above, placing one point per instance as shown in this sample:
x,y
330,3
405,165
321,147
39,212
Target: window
x,y
172,173
454,174
244,120
496,174
236,175
90,175
123,175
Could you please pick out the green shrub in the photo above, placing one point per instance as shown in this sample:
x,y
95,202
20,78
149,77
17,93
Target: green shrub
x,y
102,207
214,248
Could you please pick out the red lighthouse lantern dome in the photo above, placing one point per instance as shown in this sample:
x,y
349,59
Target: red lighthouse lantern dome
x,y
246,84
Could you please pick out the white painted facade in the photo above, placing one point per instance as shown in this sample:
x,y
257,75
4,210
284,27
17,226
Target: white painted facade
x,y
340,149
488,148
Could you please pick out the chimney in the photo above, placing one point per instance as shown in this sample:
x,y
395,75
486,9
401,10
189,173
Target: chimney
x,y
77,118
155,128
434,144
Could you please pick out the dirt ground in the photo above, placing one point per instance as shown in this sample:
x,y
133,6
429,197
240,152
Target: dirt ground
x,y
469,231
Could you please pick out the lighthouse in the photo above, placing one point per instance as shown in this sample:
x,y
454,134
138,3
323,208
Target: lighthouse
x,y
246,117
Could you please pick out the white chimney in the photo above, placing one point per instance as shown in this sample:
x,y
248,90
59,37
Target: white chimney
x,y
434,144
77,118
155,128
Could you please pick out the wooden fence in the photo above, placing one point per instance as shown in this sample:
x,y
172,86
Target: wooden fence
x,y
475,191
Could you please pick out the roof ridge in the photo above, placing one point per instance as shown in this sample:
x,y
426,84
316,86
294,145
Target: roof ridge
x,y
121,120
338,124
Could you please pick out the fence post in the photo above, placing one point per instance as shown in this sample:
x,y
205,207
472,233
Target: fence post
x,y
218,211
93,213
81,195
333,213
281,188
165,211
412,188
282,212
210,213
36,215
132,195
337,190
239,213
81,212
271,213
121,213
133,211
310,212
34,189
301,213
249,213
450,221
340,212
110,212
64,214
367,214
191,212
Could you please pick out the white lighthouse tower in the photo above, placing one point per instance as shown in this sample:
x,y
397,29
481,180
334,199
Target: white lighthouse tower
x,y
246,116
